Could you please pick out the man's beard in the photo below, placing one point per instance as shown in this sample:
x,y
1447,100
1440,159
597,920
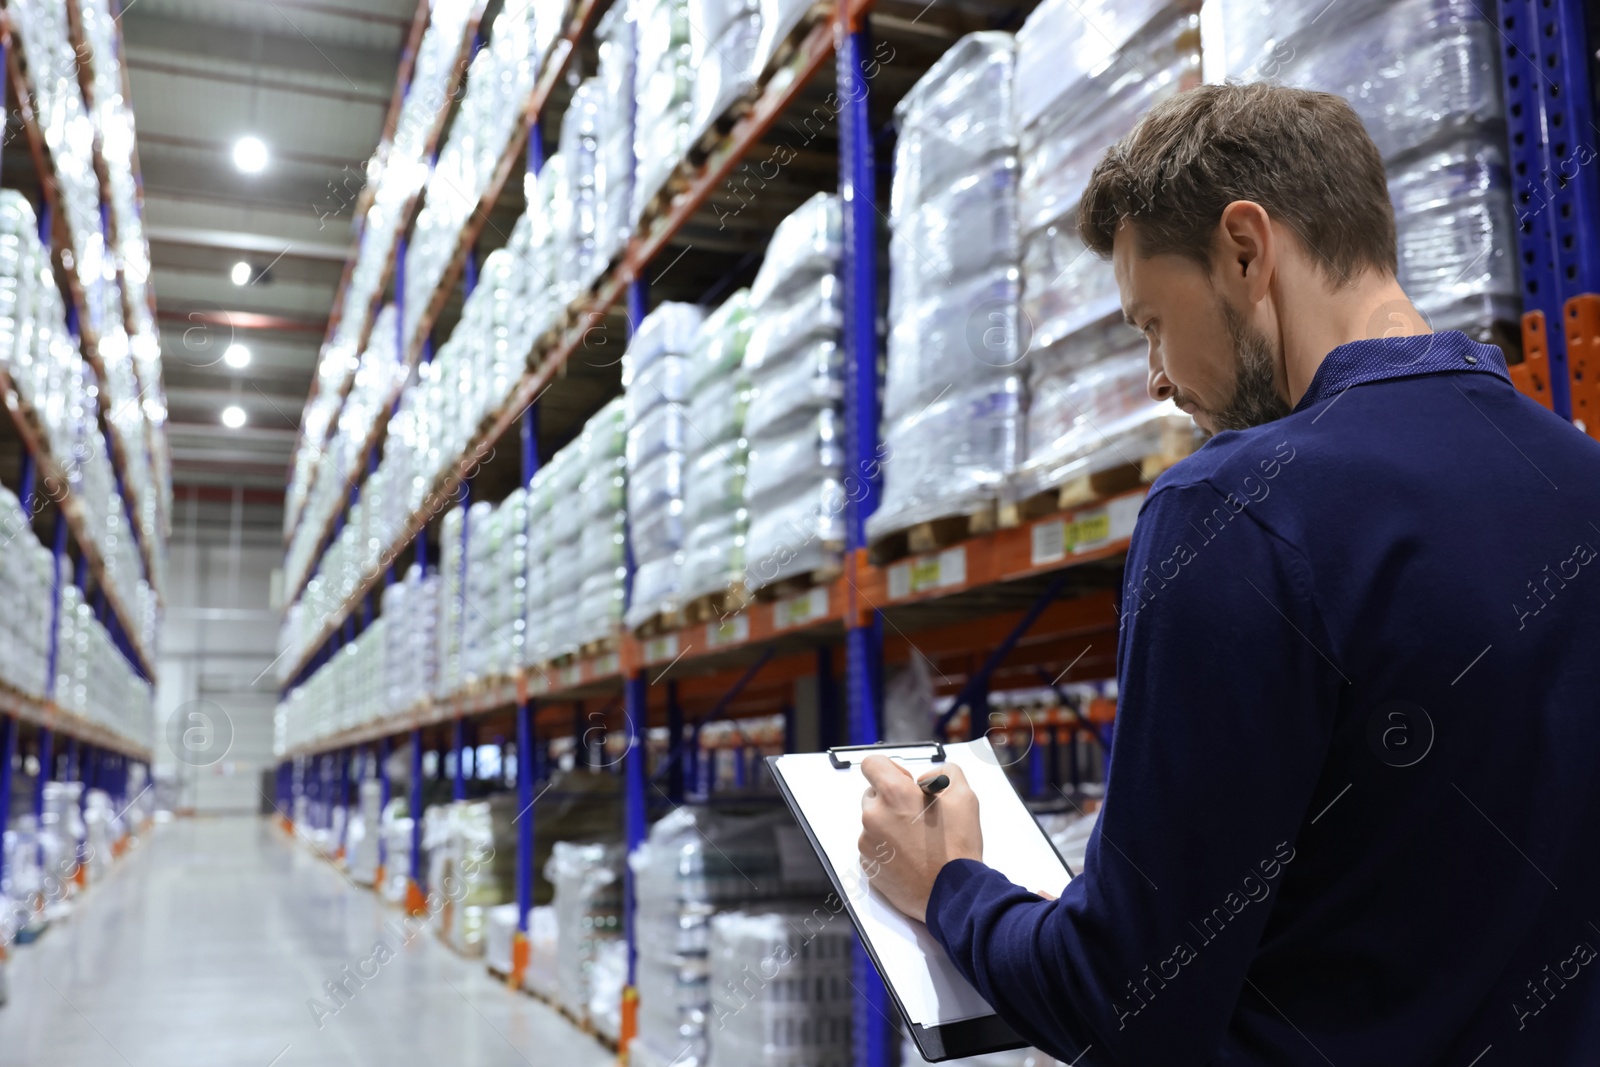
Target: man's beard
x,y
1255,399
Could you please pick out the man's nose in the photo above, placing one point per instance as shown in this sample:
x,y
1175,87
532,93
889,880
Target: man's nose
x,y
1160,386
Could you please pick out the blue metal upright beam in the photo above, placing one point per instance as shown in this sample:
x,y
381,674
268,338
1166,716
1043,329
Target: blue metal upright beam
x,y
46,769
383,799
30,472
525,815
635,759
458,732
8,748
873,1036
416,815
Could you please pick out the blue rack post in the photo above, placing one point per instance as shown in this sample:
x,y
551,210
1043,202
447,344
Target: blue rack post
x,y
636,758
864,634
382,757
459,789
1531,185
527,767
344,756
415,902
8,749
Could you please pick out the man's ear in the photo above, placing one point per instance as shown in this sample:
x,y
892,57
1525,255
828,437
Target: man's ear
x,y
1247,252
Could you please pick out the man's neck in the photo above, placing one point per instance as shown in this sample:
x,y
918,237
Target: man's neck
x,y
1371,309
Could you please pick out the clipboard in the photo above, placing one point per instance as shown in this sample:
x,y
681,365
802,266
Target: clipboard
x,y
944,1015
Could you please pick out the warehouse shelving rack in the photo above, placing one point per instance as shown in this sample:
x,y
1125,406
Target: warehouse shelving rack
x,y
89,752
1025,607
152,389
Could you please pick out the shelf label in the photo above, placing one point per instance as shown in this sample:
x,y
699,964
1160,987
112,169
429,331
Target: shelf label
x,y
800,610
733,630
919,575
1085,531
660,648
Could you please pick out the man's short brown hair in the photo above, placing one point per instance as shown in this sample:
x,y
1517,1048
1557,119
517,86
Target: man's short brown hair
x,y
1304,156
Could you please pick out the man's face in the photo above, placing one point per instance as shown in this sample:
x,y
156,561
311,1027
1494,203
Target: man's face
x,y
1204,356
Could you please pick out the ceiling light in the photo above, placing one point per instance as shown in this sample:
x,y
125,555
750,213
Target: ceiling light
x,y
233,416
237,356
250,155
241,273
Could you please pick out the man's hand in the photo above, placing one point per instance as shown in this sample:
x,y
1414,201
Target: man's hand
x,y
907,836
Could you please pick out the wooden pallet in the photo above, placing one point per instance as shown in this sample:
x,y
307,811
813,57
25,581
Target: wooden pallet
x,y
581,1022
1177,442
599,647
785,52
935,534
716,134
796,584
718,605
660,623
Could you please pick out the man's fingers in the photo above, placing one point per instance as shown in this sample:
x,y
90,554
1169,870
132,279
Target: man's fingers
x,y
884,774
958,777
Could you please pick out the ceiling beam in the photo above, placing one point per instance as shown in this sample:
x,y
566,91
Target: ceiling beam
x,y
233,240
348,96
224,150
287,50
314,7
243,320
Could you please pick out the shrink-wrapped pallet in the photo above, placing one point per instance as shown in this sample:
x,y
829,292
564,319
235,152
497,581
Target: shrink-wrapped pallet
x,y
782,993
794,423
715,516
614,166
588,907
655,394
694,865
564,520
1424,75
952,398
580,143
603,546
1078,90
725,39
664,90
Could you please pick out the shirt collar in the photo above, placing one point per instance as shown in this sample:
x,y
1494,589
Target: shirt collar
x,y
1360,362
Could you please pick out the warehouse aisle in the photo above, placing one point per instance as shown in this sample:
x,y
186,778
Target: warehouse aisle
x,y
205,948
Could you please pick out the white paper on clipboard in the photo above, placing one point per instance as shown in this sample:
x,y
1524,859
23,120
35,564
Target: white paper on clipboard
x,y
930,989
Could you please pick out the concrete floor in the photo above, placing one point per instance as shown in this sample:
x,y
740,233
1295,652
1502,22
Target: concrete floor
x,y
204,946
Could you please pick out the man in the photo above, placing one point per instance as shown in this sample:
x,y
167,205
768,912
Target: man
x,y
1355,792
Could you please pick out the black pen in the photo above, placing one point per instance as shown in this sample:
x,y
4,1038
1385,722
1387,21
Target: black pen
x,y
935,785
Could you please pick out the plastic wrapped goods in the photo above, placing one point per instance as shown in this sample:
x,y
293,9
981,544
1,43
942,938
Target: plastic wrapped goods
x,y
544,950
580,142
588,906
952,399
665,93
725,39
793,422
1424,76
693,865
1085,75
602,548
714,513
655,391
499,80
613,171
782,993
1089,409
361,841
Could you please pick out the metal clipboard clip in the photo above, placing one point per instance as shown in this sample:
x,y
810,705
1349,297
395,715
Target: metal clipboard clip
x,y
886,748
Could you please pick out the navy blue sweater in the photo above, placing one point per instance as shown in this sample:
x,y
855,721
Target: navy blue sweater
x,y
1353,814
